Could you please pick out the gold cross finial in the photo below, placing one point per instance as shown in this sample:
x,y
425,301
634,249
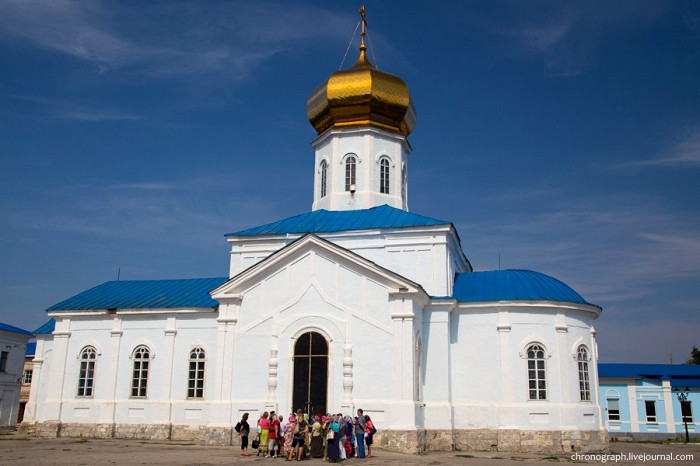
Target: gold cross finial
x,y
364,25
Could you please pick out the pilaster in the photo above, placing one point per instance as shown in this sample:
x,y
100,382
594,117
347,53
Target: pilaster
x,y
668,397
505,356
170,334
402,317
225,352
54,395
31,412
565,374
113,363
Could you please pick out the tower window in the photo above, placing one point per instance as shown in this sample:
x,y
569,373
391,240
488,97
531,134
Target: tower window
x,y
139,382
584,384
350,164
384,176
195,381
324,177
536,373
86,376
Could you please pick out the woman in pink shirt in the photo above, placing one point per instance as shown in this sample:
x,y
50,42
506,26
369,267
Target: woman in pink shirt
x,y
264,434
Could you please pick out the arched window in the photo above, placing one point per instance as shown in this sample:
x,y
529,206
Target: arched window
x,y
86,376
584,385
195,378
324,177
350,164
384,176
535,372
139,382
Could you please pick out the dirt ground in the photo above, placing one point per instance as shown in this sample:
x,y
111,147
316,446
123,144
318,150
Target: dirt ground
x,y
16,449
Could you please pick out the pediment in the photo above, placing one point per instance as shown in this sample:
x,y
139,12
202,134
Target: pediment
x,y
313,246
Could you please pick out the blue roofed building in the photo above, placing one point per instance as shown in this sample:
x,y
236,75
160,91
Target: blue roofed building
x,y
641,401
358,303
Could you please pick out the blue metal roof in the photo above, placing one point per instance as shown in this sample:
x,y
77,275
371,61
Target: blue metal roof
x,y
192,292
680,375
325,221
512,285
11,328
47,328
31,349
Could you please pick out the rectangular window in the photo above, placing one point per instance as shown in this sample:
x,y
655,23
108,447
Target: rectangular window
x,y
613,409
3,360
86,378
583,381
651,410
195,387
140,379
27,377
537,385
686,412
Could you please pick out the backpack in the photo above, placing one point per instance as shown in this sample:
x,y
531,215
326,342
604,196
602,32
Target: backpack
x,y
238,428
372,430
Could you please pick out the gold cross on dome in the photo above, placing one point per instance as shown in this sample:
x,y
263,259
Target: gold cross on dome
x,y
364,23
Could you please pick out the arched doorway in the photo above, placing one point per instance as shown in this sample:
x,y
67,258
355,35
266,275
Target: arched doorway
x,y
310,373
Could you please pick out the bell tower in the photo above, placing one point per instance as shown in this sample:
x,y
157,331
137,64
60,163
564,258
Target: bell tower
x,y
362,116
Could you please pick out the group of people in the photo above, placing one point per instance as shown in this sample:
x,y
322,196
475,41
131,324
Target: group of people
x,y
333,437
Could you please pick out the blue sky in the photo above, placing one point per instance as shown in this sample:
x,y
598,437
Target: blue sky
x,y
562,136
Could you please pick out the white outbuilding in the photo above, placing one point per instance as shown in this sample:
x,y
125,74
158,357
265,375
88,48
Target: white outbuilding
x,y
13,344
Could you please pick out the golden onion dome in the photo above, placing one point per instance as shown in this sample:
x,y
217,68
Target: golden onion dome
x,y
362,96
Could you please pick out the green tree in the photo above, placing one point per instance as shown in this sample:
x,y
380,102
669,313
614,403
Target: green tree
x,y
694,356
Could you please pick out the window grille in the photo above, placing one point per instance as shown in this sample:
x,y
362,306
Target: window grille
x,y
195,379
86,375
384,176
536,373
139,382
584,384
350,164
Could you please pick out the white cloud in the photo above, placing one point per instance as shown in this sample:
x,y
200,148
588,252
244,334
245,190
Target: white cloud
x,y
565,38
609,251
95,116
177,38
682,153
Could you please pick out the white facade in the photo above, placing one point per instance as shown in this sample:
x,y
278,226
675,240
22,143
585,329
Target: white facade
x,y
12,348
435,371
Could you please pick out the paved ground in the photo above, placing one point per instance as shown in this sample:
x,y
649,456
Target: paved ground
x,y
17,449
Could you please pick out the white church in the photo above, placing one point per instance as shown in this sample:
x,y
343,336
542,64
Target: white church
x,y
358,303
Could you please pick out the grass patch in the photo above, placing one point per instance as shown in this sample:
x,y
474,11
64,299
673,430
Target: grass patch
x,y
551,458
15,439
465,456
80,441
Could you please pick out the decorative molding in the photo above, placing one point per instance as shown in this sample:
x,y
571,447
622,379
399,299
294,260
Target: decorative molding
x,y
347,374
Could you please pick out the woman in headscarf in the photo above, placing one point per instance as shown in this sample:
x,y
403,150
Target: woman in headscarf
x,y
289,435
316,444
342,431
333,437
